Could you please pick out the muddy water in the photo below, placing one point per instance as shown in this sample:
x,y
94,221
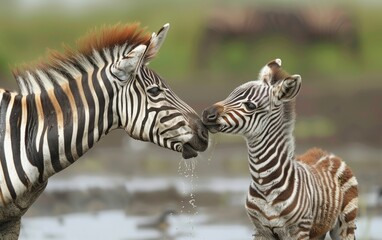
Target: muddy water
x,y
86,211
117,225
110,192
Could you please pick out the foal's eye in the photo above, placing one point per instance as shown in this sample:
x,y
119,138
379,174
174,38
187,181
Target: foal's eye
x,y
250,105
154,91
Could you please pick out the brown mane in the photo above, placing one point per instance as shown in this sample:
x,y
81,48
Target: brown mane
x,y
106,37
111,36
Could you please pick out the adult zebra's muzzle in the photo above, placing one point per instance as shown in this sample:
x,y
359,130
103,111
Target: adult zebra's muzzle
x,y
199,142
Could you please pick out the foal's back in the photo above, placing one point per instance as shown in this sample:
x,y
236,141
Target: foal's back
x,y
338,196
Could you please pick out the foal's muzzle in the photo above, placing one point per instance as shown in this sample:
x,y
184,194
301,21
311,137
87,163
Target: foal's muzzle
x,y
210,118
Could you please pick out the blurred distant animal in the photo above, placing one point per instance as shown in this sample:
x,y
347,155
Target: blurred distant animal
x,y
160,223
303,26
379,195
290,197
67,105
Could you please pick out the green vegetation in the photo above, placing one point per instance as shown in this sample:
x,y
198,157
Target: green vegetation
x,y
314,127
25,36
327,69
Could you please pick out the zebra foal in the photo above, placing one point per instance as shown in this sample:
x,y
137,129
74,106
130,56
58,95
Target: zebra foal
x,y
67,105
290,197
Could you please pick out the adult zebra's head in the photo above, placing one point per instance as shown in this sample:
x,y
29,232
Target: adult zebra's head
x,y
252,107
148,109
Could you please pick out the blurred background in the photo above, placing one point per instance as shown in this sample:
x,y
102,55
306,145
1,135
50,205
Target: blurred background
x,y
121,185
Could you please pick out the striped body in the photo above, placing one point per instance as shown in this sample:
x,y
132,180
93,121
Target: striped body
x,y
69,104
289,197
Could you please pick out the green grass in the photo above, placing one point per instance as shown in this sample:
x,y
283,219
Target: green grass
x,y
25,38
317,126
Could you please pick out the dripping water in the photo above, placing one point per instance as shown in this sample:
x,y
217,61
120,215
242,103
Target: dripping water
x,y
189,206
186,169
212,143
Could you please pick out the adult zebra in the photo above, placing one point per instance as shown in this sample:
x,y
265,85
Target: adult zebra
x,y
289,197
67,105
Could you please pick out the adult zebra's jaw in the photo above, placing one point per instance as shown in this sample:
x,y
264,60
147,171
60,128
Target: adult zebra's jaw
x,y
198,142
195,145
188,151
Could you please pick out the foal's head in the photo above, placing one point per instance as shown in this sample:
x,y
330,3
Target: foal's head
x,y
253,106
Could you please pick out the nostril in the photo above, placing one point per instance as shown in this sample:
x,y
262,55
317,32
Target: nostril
x,y
210,115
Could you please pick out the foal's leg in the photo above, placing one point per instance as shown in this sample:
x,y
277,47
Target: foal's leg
x,y
322,237
335,232
347,221
349,207
345,232
259,237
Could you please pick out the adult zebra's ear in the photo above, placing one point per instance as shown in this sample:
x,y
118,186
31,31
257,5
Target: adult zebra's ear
x,y
128,66
156,42
287,89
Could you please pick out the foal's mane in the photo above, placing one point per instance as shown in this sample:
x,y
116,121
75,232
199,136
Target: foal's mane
x,y
107,37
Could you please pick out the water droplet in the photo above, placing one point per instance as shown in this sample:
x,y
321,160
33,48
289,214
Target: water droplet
x,y
192,203
186,169
214,141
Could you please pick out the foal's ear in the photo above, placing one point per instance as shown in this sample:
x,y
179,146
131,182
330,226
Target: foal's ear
x,y
128,66
267,73
287,89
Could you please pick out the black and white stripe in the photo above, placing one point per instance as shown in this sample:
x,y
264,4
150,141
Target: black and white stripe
x,y
64,108
289,197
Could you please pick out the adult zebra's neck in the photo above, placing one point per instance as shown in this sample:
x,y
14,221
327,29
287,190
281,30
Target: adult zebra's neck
x,y
271,153
72,109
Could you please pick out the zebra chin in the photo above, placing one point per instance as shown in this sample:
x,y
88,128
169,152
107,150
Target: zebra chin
x,y
191,149
214,128
188,151
198,143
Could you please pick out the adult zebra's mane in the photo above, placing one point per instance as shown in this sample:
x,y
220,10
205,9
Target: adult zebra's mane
x,y
29,77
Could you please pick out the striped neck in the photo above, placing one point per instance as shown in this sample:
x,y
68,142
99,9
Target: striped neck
x,y
271,154
68,119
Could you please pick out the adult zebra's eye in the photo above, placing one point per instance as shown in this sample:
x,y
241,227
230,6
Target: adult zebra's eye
x,y
154,91
250,105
